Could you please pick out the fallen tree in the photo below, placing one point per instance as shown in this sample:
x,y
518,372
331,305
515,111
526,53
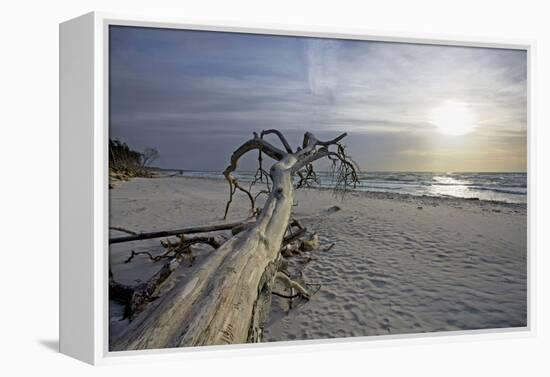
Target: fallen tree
x,y
228,299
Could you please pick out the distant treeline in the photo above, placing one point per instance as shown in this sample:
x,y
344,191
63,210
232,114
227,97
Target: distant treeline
x,y
125,162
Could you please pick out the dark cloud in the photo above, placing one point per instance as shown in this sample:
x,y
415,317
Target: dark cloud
x,y
196,95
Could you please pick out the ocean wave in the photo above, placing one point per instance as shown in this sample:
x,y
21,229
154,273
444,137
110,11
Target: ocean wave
x,y
507,187
501,190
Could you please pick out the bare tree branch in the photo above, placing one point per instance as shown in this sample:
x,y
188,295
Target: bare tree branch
x,y
281,137
175,232
255,143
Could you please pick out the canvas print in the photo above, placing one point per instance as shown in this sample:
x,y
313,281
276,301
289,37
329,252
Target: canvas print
x,y
267,188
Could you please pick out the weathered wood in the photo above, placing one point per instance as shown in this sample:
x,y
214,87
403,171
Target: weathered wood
x,y
228,299
175,232
219,304
143,293
281,137
136,298
293,237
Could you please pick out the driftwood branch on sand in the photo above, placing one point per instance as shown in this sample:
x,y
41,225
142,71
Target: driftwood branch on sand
x,y
227,300
167,233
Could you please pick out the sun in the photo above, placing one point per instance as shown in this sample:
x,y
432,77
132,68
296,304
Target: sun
x,y
453,118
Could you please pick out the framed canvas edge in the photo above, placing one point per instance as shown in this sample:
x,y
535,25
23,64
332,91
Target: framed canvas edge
x,y
100,269
76,189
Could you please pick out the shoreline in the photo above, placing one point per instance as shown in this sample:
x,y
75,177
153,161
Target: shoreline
x,y
384,194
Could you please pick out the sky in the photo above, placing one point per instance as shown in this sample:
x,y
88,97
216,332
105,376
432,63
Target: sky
x,y
196,96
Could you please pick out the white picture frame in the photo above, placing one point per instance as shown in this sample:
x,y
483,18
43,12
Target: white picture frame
x,y
84,189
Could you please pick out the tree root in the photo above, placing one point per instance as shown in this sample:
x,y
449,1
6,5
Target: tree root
x,y
312,243
329,247
289,283
136,298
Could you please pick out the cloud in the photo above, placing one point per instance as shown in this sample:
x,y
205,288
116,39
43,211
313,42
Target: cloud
x,y
217,88
322,67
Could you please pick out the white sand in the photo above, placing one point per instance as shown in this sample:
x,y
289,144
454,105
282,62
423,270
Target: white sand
x,y
395,267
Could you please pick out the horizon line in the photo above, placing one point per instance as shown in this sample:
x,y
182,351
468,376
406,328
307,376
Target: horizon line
x,y
360,171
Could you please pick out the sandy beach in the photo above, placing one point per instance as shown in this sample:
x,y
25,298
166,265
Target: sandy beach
x,y
399,263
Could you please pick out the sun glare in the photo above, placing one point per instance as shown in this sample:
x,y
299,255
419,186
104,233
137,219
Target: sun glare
x,y
453,118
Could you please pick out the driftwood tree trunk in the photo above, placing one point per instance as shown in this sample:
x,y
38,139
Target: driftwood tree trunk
x,y
227,301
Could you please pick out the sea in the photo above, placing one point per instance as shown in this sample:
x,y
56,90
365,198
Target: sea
x,y
502,187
